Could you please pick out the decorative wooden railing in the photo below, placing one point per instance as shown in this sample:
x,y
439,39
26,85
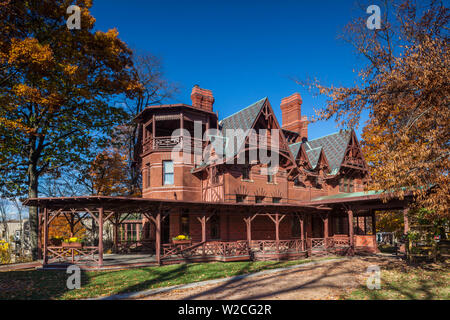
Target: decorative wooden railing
x,y
293,245
316,243
168,143
212,248
65,254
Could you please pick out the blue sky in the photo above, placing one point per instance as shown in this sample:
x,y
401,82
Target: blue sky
x,y
241,50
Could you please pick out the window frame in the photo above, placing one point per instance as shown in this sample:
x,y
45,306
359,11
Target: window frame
x,y
164,173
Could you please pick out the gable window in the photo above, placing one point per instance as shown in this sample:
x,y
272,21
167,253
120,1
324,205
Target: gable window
x,y
346,185
184,223
276,200
215,227
259,199
167,172
240,197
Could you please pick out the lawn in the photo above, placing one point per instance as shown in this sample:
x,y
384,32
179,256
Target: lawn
x,y
403,282
51,284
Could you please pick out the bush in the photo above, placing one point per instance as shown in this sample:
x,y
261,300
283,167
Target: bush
x,y
5,252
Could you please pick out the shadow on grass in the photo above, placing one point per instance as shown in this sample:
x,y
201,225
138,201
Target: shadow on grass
x,y
35,284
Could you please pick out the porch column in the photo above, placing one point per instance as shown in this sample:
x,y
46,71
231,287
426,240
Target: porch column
x,y
374,230
100,237
39,240
406,220
158,237
203,222
350,227
277,232
325,229
45,257
248,224
116,232
374,220
301,216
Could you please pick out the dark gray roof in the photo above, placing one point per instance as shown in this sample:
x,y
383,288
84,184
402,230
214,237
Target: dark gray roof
x,y
244,118
333,145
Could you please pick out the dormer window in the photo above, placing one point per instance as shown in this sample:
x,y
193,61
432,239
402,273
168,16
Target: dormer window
x,y
346,185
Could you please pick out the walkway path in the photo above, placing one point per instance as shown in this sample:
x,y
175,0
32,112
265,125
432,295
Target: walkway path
x,y
327,281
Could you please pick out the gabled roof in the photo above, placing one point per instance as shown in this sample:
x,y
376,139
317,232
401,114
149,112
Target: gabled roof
x,y
313,156
244,118
334,146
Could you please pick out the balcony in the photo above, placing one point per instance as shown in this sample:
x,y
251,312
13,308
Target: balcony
x,y
168,143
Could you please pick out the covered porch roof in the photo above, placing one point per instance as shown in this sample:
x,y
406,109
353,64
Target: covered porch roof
x,y
137,205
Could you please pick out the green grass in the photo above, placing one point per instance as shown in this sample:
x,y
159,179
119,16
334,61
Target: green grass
x,y
404,282
51,284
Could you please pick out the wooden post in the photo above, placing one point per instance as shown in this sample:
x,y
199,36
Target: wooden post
x,y
116,232
158,237
39,233
350,229
302,230
325,229
406,220
374,221
203,222
45,258
277,232
100,237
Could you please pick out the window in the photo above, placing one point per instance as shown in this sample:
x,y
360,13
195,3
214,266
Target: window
x,y
147,175
346,185
167,172
129,231
270,178
297,182
240,197
276,200
215,227
184,223
246,173
259,199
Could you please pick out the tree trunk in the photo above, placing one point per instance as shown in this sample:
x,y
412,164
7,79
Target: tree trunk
x,y
33,211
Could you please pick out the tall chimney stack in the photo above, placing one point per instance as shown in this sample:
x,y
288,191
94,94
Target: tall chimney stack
x,y
291,112
202,98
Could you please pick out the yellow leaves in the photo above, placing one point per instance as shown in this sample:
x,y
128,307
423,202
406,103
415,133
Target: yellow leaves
x,y
70,69
14,125
30,52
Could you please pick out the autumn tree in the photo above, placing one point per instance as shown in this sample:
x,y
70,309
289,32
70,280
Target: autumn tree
x,y
56,88
404,86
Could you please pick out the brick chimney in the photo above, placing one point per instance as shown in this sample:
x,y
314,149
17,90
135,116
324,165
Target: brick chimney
x,y
291,111
202,98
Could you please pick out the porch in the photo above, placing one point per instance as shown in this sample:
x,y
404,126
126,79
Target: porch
x,y
287,232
